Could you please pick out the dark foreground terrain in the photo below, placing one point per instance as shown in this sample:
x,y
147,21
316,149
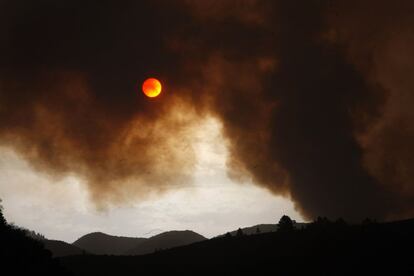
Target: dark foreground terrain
x,y
328,248
322,247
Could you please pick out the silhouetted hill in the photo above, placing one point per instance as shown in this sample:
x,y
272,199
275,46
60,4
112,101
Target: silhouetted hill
x,y
323,247
61,248
104,244
20,254
166,240
263,228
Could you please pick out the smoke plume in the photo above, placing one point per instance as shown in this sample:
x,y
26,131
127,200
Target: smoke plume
x,y
314,97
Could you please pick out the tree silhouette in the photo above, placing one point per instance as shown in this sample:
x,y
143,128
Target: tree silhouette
x,y
321,223
340,223
239,233
24,255
285,224
3,222
258,230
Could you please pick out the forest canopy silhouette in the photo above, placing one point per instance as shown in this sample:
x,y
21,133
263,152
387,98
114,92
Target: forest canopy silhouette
x,y
314,97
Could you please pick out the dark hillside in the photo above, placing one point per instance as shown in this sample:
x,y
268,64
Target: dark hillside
x,y
166,240
60,248
330,248
21,254
104,244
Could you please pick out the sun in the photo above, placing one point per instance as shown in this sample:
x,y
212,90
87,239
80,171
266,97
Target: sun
x,y
151,87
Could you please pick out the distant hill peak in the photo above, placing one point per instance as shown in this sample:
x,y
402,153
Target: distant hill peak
x,y
105,244
166,240
101,234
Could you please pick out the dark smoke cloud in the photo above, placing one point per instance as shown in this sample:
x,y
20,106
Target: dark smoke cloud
x,y
313,96
381,46
68,99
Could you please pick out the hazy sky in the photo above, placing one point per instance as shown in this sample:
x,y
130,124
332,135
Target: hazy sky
x,y
60,209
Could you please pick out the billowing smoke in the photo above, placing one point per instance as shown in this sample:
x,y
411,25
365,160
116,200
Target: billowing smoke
x,y
380,45
314,97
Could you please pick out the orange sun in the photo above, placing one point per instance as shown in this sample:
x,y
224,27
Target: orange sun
x,y
151,87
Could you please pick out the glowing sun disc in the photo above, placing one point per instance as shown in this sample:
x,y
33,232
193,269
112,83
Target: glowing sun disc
x,y
151,87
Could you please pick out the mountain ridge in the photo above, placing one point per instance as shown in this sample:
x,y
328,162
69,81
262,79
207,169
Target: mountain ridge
x,y
104,244
99,243
166,240
61,248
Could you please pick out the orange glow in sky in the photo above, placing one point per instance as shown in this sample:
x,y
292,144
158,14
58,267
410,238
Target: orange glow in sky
x,y
151,87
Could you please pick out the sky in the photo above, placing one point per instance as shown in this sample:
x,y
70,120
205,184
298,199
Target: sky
x,y
311,101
